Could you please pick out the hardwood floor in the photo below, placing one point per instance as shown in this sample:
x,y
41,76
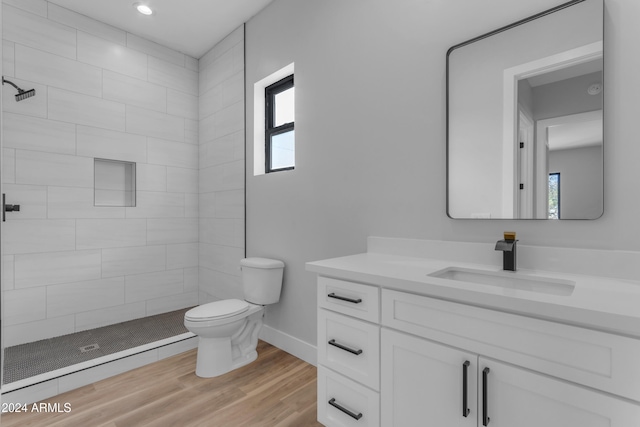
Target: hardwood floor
x,y
278,389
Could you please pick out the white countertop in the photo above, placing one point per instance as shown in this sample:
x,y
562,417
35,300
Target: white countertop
x,y
606,304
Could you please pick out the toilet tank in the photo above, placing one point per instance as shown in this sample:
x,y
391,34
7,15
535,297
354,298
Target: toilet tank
x,y
261,280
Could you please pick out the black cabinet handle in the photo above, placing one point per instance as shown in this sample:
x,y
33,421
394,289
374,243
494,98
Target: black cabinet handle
x,y
354,301
345,348
465,409
333,403
485,398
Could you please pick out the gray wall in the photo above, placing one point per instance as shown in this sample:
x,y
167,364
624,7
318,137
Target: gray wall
x,y
370,132
580,181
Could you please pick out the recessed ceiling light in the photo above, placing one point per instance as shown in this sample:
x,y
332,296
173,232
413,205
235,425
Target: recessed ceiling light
x,y
143,9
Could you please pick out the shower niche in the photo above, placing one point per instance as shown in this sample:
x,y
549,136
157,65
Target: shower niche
x,y
114,183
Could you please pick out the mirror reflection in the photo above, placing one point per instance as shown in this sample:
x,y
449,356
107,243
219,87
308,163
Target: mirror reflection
x,y
525,108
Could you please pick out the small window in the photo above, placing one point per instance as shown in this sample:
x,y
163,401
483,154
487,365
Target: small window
x,y
554,196
279,126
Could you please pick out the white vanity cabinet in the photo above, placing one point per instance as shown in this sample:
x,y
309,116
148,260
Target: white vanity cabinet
x,y
424,383
503,350
398,359
348,353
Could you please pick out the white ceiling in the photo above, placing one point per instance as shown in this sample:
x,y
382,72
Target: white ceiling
x,y
573,135
189,26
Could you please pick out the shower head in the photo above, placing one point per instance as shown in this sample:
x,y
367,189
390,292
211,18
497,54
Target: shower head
x,y
22,94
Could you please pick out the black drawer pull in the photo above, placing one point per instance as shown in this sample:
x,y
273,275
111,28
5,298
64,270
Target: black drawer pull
x,y
345,348
465,409
355,301
333,403
485,398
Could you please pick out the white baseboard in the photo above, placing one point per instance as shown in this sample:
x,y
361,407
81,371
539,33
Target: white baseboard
x,y
292,345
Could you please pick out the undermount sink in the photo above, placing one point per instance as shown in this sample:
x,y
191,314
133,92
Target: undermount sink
x,y
507,280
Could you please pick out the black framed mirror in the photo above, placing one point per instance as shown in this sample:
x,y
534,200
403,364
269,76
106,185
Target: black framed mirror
x,y
525,118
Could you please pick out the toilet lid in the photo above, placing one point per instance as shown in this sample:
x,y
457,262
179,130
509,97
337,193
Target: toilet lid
x,y
217,310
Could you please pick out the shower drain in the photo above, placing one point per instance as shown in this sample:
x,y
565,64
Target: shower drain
x,y
89,347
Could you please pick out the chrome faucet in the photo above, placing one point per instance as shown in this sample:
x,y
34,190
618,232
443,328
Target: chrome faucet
x,y
508,248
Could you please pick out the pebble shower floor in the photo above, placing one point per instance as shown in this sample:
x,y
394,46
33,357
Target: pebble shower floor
x,y
38,357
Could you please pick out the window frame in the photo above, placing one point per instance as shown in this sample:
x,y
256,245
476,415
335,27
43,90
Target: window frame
x,y
269,130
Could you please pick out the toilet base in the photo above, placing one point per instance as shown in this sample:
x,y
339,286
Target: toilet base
x,y
217,356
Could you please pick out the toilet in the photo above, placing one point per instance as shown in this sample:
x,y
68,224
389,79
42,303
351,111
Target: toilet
x,y
228,329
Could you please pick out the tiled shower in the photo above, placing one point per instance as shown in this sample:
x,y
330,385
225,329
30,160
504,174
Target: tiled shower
x,y
104,97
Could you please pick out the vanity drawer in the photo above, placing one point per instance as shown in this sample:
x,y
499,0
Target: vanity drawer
x,y
353,299
345,403
349,346
593,358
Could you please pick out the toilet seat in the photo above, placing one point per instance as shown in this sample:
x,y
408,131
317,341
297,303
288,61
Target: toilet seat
x,y
217,310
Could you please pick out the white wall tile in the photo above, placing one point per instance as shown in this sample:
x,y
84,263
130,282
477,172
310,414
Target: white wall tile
x,y
191,205
229,120
226,149
39,7
35,106
34,133
182,180
151,177
113,145
157,205
174,76
182,104
85,110
56,267
110,315
172,153
206,204
111,56
191,63
141,287
8,272
110,233
191,131
227,176
122,261
8,58
53,70
171,303
219,285
69,202
153,123
226,232
8,165
86,24
172,230
24,305
229,204
31,198
36,331
132,91
71,298
38,235
35,167
191,279
155,49
36,31
182,255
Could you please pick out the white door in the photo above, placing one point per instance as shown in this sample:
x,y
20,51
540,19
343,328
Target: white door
x,y
516,397
422,383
